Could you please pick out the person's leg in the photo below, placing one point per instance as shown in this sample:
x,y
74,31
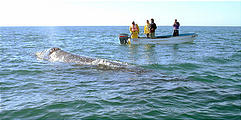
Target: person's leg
x,y
175,33
151,35
147,35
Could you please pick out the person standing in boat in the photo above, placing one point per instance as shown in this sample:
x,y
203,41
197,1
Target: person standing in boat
x,y
152,28
147,29
134,30
176,26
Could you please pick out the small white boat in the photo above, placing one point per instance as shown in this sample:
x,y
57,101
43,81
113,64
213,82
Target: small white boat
x,y
166,39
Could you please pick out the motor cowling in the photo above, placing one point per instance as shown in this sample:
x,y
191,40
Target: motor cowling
x,y
123,38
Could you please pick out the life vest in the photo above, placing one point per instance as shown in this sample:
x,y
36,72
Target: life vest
x,y
147,29
134,28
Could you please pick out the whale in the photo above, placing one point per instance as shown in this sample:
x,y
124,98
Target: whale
x,y
58,55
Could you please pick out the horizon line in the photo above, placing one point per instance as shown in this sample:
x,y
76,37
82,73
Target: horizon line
x,y
115,25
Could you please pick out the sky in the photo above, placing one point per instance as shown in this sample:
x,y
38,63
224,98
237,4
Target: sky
x,y
119,12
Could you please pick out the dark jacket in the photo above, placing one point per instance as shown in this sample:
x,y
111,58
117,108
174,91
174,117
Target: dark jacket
x,y
153,27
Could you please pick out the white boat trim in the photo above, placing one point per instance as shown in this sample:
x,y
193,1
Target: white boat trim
x,y
167,39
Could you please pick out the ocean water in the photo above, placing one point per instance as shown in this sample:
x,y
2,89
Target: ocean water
x,y
192,81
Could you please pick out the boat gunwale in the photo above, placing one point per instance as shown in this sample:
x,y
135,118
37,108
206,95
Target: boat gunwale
x,y
166,37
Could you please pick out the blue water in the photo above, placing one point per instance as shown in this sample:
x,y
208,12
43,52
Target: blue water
x,y
199,80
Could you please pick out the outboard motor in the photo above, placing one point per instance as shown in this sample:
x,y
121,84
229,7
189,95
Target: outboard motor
x,y
123,38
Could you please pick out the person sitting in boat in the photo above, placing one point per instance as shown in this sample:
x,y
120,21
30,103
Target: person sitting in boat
x,y
152,28
134,30
147,29
176,26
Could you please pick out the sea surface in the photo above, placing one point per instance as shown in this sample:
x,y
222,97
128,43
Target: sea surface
x,y
191,81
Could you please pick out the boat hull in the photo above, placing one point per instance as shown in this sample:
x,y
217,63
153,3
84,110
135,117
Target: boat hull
x,y
168,39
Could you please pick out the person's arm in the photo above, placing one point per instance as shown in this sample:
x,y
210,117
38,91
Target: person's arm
x,y
138,28
145,31
130,29
151,27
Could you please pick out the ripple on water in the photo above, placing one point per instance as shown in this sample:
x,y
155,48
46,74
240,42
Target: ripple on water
x,y
185,81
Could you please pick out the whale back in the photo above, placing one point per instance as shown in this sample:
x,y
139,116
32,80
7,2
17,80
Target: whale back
x,y
58,55
63,56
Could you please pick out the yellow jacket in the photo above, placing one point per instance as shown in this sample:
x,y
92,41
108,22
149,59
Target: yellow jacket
x,y
134,31
147,29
